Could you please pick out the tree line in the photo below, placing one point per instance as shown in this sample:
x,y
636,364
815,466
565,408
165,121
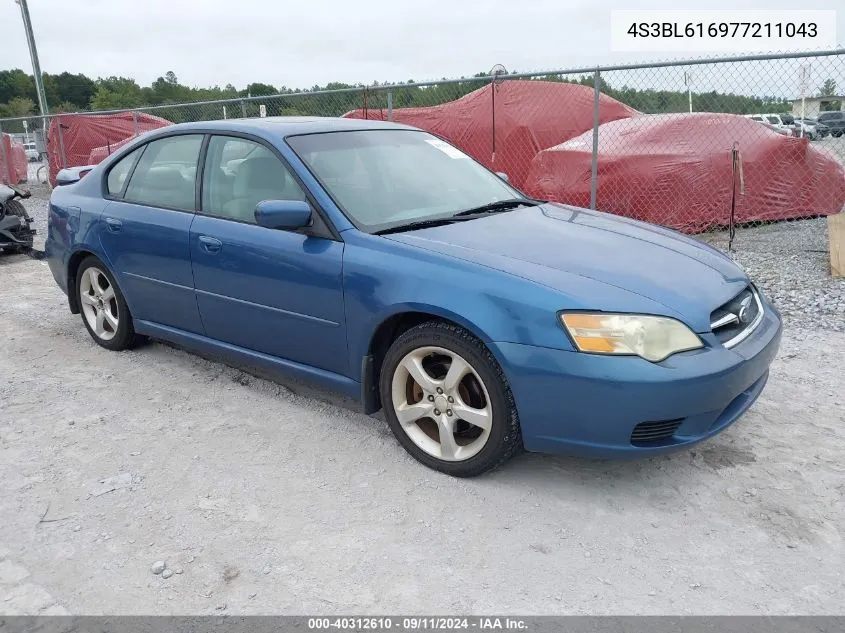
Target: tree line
x,y
68,92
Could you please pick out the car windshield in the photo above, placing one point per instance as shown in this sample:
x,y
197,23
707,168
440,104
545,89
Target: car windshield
x,y
391,178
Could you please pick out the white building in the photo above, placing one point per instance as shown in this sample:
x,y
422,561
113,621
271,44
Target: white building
x,y
813,105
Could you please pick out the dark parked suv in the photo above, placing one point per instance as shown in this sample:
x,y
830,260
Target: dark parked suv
x,y
835,121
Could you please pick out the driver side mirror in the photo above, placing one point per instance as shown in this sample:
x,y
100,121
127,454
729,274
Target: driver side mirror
x,y
283,214
503,176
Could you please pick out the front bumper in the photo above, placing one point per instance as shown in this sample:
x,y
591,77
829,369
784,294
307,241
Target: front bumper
x,y
590,405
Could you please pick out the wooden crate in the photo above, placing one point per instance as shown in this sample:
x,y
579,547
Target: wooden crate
x,y
836,237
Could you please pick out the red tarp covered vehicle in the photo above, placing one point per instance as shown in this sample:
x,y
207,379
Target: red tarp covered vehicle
x,y
98,154
530,116
675,170
15,171
81,133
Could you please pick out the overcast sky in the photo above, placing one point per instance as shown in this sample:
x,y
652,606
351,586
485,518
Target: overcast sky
x,y
303,43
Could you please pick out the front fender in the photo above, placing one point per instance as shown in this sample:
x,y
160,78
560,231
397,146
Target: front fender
x,y
434,310
383,278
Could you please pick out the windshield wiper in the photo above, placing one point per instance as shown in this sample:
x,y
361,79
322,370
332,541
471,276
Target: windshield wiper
x,y
499,205
419,224
462,216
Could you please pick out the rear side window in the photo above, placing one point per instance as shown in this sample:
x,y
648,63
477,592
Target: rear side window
x,y
121,169
166,173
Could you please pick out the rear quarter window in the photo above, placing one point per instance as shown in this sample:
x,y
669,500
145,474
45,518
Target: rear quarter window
x,y
118,173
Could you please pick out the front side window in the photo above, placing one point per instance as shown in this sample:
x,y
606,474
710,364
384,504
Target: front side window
x,y
388,178
240,173
166,173
120,170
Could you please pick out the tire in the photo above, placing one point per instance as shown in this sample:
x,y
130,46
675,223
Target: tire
x,y
836,134
114,331
481,394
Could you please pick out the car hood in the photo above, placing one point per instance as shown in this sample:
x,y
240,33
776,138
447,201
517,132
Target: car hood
x,y
549,243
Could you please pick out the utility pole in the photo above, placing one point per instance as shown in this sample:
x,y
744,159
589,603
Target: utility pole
x,y
36,67
688,83
804,85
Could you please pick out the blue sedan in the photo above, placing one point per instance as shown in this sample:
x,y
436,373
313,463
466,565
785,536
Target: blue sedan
x,y
378,260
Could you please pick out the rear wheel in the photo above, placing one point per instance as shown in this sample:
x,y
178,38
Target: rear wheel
x,y
447,401
103,308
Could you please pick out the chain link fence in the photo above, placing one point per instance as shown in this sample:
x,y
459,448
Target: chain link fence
x,y
695,145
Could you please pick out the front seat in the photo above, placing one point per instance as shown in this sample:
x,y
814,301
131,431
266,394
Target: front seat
x,y
257,179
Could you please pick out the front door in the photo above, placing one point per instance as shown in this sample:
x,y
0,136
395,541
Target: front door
x,y
272,291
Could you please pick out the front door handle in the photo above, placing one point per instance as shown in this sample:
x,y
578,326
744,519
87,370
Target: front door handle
x,y
114,225
210,244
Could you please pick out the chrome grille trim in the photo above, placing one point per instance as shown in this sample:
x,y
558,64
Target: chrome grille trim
x,y
731,318
725,320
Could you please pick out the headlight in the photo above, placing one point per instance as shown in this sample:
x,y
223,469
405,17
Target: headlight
x,y
650,337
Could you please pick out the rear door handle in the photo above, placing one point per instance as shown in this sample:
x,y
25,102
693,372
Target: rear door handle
x,y
114,225
210,244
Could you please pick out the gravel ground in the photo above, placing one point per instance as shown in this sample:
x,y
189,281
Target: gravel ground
x,y
790,262
260,498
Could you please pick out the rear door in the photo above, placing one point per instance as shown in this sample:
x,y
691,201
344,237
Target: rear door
x,y
145,230
274,291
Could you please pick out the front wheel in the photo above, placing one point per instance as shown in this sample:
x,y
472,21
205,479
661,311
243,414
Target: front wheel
x,y
447,401
104,310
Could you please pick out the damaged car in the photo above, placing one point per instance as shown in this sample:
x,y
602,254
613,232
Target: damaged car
x,y
16,232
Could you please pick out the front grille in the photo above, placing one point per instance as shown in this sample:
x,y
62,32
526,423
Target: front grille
x,y
735,320
647,433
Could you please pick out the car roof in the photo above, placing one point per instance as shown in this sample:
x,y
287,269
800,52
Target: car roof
x,y
288,125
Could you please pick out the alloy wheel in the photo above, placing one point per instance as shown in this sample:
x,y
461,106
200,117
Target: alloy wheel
x,y
98,302
442,403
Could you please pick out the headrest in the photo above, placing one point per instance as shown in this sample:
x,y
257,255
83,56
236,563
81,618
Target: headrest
x,y
262,173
